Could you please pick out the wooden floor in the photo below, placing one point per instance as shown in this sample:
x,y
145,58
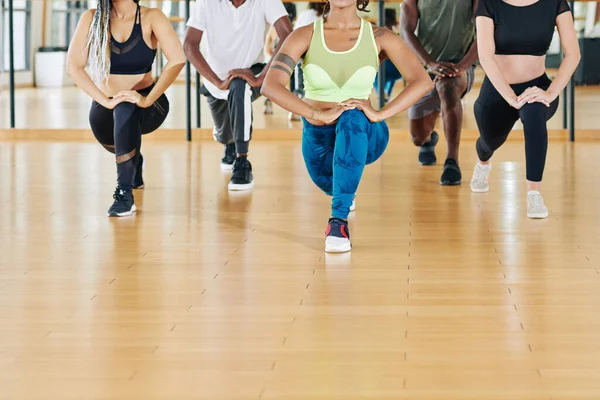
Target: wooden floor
x,y
207,294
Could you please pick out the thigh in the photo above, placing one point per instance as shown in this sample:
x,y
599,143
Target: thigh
x,y
154,116
219,110
102,124
494,121
421,128
428,104
378,137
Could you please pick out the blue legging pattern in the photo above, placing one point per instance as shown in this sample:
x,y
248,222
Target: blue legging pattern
x,y
336,155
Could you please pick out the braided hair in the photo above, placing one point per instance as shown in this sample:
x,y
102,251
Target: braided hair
x,y
98,45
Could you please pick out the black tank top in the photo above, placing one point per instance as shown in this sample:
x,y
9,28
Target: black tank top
x,y
526,30
133,57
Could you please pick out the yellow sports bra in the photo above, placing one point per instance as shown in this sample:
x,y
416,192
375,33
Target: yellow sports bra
x,y
336,76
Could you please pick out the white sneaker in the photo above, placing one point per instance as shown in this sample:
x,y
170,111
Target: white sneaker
x,y
337,236
535,205
479,181
268,107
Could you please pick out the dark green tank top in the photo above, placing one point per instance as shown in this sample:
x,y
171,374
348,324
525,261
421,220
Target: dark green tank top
x,y
446,28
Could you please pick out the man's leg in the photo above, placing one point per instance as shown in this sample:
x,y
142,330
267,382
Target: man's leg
x,y
239,103
222,129
423,116
451,90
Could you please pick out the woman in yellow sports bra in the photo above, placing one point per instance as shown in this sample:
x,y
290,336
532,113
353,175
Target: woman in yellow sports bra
x,y
342,132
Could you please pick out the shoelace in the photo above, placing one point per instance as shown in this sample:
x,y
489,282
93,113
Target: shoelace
x,y
536,200
119,195
480,174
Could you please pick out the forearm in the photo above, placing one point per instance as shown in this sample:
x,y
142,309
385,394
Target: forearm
x,y
417,48
495,75
167,77
566,70
83,81
413,92
281,96
195,57
470,58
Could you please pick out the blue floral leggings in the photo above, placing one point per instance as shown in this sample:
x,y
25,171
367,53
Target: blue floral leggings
x,y
336,155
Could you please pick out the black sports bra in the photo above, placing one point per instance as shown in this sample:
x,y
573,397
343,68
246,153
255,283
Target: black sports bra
x,y
133,57
526,30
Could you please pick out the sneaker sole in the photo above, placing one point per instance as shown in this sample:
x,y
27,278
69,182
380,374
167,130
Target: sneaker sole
x,y
240,187
450,183
480,190
124,214
338,248
226,167
537,216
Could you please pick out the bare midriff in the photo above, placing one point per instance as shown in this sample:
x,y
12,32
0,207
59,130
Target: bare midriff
x,y
119,83
521,68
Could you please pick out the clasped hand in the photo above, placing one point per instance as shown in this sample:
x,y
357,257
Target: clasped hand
x,y
129,96
332,115
242,73
532,95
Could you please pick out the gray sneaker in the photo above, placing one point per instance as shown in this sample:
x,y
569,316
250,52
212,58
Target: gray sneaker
x,y
479,181
535,205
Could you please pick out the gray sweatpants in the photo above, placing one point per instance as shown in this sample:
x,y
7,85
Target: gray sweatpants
x,y
232,118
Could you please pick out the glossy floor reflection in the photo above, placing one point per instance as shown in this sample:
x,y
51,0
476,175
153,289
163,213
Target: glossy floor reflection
x,y
207,294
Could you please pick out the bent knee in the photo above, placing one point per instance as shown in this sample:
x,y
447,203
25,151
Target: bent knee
x,y
450,90
237,84
354,116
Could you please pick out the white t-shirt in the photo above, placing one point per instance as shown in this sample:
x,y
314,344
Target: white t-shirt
x,y
235,37
305,18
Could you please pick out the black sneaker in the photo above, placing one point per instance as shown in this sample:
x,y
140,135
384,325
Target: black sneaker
x,y
228,157
451,175
241,178
123,205
138,182
338,236
427,151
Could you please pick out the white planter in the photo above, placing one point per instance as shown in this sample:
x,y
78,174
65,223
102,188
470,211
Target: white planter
x,y
51,69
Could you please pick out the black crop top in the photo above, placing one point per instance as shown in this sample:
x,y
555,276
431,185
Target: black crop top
x,y
133,57
522,29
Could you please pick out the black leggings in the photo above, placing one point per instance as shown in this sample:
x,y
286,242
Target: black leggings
x,y
120,132
495,119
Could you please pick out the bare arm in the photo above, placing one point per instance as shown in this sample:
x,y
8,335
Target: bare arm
x,y
409,18
418,81
173,51
570,45
278,75
191,47
77,57
471,57
487,49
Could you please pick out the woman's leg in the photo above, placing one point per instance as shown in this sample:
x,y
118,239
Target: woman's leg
x,y
534,117
358,142
495,119
317,148
101,122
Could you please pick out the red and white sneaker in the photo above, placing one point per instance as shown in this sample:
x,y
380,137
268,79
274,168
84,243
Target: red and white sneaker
x,y
338,236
